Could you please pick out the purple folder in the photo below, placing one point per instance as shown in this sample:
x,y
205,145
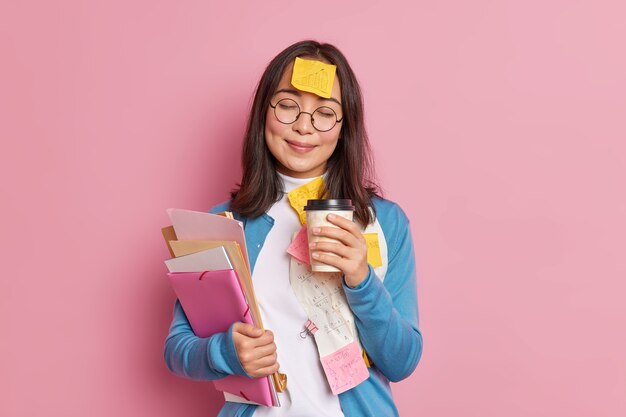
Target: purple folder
x,y
213,301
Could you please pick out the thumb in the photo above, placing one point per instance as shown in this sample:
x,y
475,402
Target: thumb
x,y
247,329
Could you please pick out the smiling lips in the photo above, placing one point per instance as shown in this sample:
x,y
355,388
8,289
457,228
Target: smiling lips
x,y
299,146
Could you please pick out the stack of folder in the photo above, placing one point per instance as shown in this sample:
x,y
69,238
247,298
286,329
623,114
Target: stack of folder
x,y
210,274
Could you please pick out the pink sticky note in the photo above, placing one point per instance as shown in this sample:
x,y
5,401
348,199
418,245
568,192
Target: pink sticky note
x,y
345,368
299,248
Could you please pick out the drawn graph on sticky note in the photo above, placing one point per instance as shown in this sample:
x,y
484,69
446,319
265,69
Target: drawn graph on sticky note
x,y
318,80
313,76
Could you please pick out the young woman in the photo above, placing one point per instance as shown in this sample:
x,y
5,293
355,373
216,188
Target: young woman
x,y
294,137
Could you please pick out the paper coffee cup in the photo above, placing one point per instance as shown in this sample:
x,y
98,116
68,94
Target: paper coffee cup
x,y
316,212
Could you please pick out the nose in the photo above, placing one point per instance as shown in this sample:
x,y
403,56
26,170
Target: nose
x,y
303,124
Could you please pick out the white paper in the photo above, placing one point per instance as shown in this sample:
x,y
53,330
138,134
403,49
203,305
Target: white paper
x,y
214,259
321,294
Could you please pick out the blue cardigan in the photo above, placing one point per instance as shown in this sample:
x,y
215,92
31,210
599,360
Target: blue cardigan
x,y
385,313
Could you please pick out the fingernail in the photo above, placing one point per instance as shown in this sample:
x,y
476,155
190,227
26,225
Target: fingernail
x,y
316,255
312,245
316,230
331,216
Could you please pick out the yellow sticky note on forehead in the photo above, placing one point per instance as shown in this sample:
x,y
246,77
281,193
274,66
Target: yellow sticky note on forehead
x,y
299,196
313,76
373,249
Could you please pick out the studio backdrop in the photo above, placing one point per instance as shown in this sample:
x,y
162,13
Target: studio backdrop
x,y
498,126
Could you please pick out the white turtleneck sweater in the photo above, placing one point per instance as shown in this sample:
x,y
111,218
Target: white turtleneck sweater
x,y
308,392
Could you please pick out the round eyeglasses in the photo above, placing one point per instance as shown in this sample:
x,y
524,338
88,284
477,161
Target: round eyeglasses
x,y
287,112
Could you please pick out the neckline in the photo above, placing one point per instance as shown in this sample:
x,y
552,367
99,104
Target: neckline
x,y
291,183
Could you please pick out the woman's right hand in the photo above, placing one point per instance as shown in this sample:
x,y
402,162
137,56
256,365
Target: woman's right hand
x,y
256,349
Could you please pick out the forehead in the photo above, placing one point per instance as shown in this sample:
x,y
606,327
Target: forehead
x,y
285,82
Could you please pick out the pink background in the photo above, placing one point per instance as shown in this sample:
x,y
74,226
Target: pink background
x,y
497,125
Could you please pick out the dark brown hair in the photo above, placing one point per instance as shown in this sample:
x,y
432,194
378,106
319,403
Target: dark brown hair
x,y
350,169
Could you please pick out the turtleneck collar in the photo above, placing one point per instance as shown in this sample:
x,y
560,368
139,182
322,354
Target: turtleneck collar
x,y
291,183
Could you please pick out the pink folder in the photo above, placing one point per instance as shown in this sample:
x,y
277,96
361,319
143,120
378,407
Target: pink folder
x,y
212,301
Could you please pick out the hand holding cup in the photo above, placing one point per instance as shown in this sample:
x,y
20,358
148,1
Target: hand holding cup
x,y
335,242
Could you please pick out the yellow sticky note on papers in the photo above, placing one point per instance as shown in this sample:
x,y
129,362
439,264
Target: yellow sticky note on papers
x,y
313,76
373,249
310,191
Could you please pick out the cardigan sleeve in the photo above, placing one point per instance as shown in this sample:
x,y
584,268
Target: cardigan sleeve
x,y
194,357
386,314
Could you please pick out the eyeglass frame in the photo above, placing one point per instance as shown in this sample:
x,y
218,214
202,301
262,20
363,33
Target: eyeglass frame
x,y
310,114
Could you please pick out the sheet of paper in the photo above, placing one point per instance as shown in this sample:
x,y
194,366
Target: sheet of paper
x,y
207,260
298,197
373,249
169,234
345,368
315,77
299,247
196,225
321,294
185,247
237,399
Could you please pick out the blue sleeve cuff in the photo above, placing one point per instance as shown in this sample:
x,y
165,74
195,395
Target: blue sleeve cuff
x,y
230,354
363,286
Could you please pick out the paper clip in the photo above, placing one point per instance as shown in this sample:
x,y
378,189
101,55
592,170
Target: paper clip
x,y
309,329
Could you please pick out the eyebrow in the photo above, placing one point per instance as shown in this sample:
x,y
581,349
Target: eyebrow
x,y
298,94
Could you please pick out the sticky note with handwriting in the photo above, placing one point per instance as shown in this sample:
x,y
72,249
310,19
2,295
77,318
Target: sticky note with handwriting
x,y
345,368
313,76
299,247
373,249
298,197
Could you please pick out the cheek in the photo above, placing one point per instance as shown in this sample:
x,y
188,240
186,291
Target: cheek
x,y
273,136
330,140
272,126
